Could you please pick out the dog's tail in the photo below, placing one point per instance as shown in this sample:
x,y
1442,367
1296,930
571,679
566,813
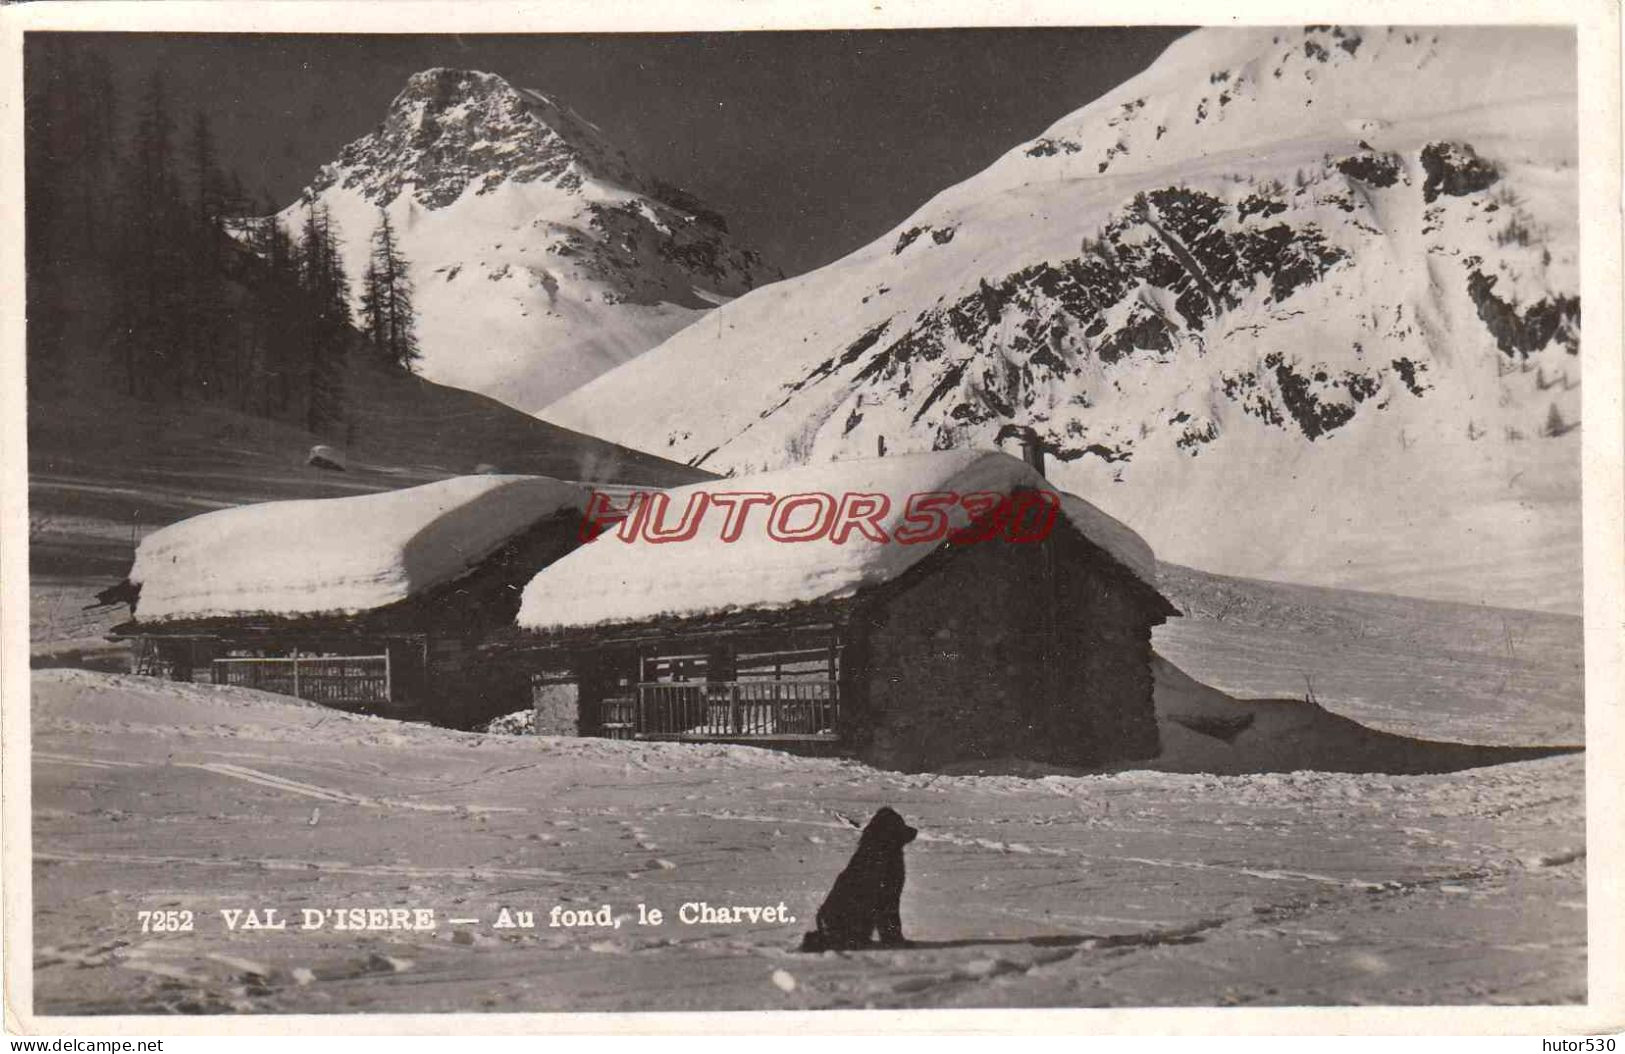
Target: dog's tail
x,y
813,941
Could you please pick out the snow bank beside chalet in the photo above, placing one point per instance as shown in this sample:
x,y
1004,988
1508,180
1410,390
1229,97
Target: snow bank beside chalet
x,y
615,581
330,556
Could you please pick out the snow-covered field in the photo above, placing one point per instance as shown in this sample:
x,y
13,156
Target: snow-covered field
x,y
1429,669
1135,889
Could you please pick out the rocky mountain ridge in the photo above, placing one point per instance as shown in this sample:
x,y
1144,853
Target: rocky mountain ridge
x,y
1294,303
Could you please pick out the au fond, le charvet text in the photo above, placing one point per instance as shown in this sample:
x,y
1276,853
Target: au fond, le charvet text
x,y
559,916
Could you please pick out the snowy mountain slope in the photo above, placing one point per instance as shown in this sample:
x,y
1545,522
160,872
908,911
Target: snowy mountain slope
x,y
540,258
1294,303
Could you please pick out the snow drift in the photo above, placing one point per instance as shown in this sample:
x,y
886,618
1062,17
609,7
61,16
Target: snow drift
x,y
336,555
1205,730
1320,283
611,580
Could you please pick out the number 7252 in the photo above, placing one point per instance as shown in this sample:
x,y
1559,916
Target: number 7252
x,y
164,921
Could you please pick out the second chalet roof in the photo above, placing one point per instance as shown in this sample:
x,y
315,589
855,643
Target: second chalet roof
x,y
612,581
337,556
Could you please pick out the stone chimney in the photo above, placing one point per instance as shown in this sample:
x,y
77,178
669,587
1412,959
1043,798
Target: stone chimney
x,y
1032,447
1032,451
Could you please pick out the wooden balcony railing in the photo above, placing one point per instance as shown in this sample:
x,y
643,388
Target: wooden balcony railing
x,y
733,710
345,682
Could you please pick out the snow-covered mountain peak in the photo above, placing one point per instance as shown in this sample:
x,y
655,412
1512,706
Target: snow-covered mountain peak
x,y
542,256
451,129
1217,99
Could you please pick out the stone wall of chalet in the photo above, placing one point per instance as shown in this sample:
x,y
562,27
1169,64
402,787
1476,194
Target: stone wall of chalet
x,y
1104,622
954,663
999,650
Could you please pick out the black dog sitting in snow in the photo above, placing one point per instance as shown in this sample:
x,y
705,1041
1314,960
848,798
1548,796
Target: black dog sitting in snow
x,y
867,894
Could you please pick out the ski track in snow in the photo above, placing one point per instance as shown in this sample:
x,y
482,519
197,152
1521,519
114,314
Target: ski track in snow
x,y
988,844
1137,888
308,790
475,872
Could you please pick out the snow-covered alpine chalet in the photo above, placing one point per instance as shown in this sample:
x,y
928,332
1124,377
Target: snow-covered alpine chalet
x,y
374,603
910,656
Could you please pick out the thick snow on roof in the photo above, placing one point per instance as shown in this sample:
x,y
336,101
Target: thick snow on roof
x,y
1117,538
616,581
336,555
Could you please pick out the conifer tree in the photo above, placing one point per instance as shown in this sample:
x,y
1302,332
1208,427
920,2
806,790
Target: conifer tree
x,y
387,316
151,256
235,201
271,242
284,319
70,150
208,185
132,236
206,323
322,275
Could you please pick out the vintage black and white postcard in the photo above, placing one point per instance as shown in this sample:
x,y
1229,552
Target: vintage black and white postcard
x,y
578,511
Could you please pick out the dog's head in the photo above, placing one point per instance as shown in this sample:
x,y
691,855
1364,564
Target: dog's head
x,y
888,826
